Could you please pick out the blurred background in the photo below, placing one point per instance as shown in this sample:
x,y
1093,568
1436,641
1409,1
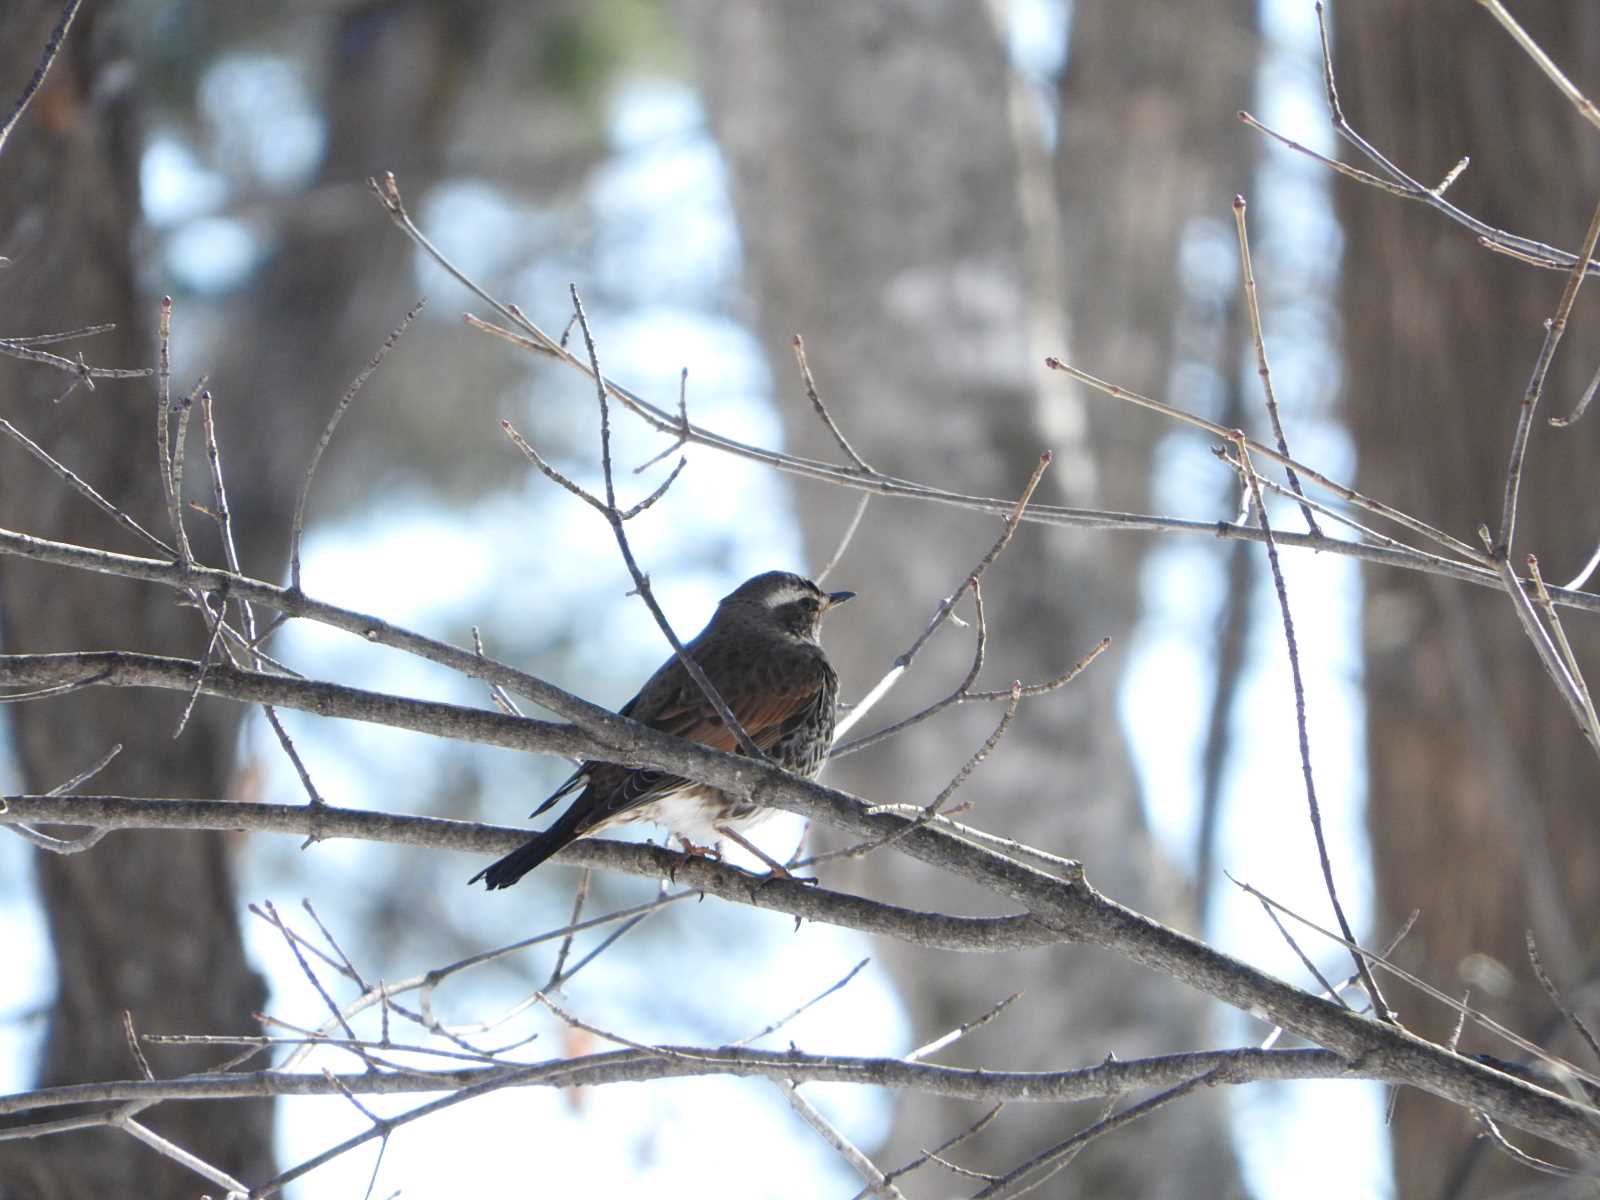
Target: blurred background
x,y
936,195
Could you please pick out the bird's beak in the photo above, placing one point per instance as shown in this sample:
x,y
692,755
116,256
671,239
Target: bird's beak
x,y
839,597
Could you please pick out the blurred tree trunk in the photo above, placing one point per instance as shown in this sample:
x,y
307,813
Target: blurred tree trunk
x,y
897,212
1482,792
144,922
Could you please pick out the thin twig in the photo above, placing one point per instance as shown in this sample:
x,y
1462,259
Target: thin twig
x,y
52,47
178,452
1522,1157
133,1046
349,966
1550,989
943,1148
683,413
877,1182
1586,107
579,896
1328,989
928,1049
1566,685
1350,980
163,434
947,606
178,1154
799,345
844,541
1348,494
65,335
1582,405
1008,1184
1558,1064
1554,328
271,915
936,805
1379,1007
641,581
299,527
83,488
1253,307
1542,594
837,985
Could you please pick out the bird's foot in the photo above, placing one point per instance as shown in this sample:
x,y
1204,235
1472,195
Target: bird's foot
x,y
775,870
695,850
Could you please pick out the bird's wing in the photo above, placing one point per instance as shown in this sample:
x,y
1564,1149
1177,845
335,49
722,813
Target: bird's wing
x,y
580,776
765,714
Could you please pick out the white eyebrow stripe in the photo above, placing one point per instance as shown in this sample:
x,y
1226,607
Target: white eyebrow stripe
x,y
786,595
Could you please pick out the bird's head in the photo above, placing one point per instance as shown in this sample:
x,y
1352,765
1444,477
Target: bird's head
x,y
791,602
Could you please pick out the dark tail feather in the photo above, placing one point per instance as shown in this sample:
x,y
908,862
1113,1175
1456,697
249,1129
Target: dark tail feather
x,y
530,854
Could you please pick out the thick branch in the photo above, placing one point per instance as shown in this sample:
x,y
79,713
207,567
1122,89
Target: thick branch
x,y
635,1066
932,930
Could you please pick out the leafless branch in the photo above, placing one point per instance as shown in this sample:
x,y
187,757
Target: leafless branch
x,y
52,47
799,345
297,531
1313,808
1253,307
1578,1024
1554,328
1585,106
947,606
1475,570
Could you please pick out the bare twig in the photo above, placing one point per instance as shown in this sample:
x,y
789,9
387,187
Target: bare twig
x,y
641,581
298,529
163,434
943,1148
1328,989
1253,307
847,538
936,805
1566,685
947,606
1542,593
579,896
52,47
799,345
1350,495
1566,1010
271,916
683,413
178,1154
1379,1007
1582,405
84,489
1557,1064
877,1182
1586,107
84,841
1350,981
1554,328
1525,1159
1011,1183
928,1049
837,985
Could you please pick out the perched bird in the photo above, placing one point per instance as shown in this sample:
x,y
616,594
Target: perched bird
x,y
761,652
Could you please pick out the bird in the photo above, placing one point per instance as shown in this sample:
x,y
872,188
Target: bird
x,y
761,652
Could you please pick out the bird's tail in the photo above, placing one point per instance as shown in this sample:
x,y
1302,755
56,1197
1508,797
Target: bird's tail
x,y
531,853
